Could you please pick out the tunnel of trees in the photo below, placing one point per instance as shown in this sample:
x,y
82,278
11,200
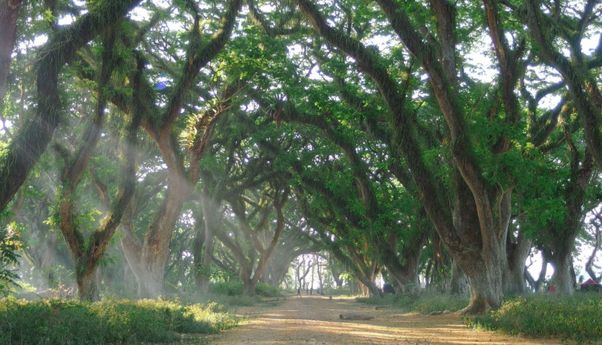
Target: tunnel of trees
x,y
156,147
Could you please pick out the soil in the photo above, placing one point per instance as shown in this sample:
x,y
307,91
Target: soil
x,y
316,320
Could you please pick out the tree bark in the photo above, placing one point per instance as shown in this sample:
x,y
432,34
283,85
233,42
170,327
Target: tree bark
x,y
404,269
563,278
32,139
514,274
485,278
86,283
481,243
590,264
155,246
210,214
458,282
9,12
576,75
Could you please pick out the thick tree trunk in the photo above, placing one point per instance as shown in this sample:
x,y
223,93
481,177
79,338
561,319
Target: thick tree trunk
x,y
563,239
210,215
484,265
9,12
484,270
458,282
514,280
514,274
249,284
32,139
485,280
148,283
87,283
148,273
148,260
563,278
277,269
404,269
404,276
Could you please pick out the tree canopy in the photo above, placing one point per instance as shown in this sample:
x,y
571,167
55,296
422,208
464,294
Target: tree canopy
x,y
434,143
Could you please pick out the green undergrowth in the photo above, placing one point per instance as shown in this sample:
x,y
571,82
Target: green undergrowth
x,y
235,288
231,294
576,318
424,303
108,322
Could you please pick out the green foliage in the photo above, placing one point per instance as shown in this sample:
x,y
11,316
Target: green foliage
x,y
9,244
107,322
424,303
267,290
234,287
228,288
578,318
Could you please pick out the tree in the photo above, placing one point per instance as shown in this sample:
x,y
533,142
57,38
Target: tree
x,y
87,253
9,12
151,253
9,246
32,139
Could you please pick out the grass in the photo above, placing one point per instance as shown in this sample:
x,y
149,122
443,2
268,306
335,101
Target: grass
x,y
424,303
231,294
576,318
107,322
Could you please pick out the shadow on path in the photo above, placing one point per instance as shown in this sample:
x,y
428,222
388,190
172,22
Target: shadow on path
x,y
315,320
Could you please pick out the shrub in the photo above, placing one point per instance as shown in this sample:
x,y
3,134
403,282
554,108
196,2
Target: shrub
x,y
420,302
267,290
9,245
234,288
577,318
228,288
431,302
107,322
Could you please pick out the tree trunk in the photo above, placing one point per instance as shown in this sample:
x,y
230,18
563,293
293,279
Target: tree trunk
x,y
514,280
249,284
483,267
9,12
404,269
537,284
514,274
337,281
590,264
458,282
203,268
485,278
405,276
32,139
563,279
86,283
277,269
148,259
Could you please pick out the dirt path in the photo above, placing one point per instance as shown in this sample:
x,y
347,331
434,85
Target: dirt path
x,y
315,320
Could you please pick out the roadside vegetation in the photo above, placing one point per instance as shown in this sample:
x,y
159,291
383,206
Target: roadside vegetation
x,y
219,151
425,303
576,318
57,321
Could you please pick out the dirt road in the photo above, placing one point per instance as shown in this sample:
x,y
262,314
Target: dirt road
x,y
315,320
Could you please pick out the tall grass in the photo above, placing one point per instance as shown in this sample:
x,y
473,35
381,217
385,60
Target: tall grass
x,y
107,322
577,318
424,303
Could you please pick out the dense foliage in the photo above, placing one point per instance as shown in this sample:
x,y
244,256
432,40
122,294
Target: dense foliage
x,y
107,322
574,318
183,148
